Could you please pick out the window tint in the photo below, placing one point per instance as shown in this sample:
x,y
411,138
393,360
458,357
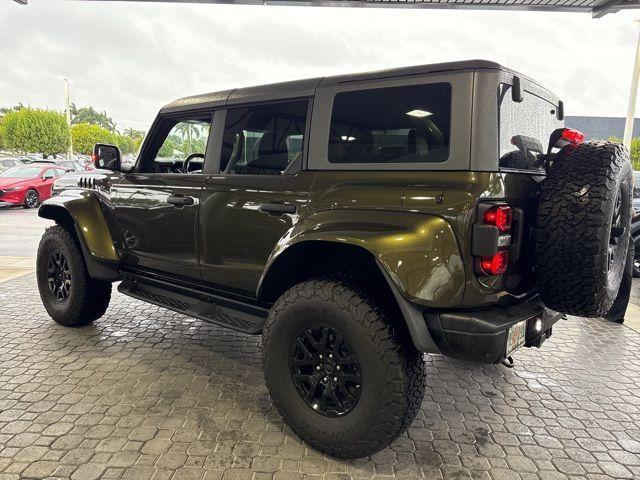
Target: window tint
x,y
184,137
265,139
391,125
525,128
49,173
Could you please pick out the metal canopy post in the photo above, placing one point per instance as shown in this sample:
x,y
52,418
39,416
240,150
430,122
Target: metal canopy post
x,y
633,97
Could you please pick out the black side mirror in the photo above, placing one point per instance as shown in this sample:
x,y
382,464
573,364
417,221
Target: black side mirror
x,y
107,157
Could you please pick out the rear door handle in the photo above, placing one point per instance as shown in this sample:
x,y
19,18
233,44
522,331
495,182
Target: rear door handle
x,y
180,200
278,208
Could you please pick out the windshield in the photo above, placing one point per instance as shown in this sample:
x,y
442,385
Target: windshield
x,y
21,172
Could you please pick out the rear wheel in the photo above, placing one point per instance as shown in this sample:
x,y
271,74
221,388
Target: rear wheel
x,y
583,226
31,199
70,296
343,377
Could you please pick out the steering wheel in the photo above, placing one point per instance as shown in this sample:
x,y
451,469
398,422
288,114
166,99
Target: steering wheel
x,y
185,164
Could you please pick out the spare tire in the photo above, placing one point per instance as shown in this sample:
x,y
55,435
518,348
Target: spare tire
x,y
582,228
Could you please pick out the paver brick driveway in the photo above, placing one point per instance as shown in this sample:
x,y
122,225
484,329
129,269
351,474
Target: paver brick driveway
x,y
148,393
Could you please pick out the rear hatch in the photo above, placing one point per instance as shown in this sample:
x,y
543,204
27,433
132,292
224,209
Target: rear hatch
x,y
526,119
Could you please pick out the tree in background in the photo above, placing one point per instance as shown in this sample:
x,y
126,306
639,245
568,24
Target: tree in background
x,y
167,149
126,144
92,116
133,133
35,131
86,135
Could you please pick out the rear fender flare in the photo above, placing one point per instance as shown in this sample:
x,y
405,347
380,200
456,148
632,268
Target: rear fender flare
x,y
418,252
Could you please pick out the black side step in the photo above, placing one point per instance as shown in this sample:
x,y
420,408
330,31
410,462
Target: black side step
x,y
232,314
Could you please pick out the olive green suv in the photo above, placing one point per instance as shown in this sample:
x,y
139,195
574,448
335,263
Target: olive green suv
x,y
356,222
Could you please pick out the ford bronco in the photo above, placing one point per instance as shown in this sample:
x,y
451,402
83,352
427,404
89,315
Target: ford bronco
x,y
356,222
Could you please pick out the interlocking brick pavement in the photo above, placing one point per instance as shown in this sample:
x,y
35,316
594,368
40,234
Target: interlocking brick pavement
x,y
147,393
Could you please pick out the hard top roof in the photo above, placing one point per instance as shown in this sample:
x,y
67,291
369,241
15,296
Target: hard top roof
x,y
306,87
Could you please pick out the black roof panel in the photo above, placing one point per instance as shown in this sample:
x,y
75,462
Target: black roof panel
x,y
306,87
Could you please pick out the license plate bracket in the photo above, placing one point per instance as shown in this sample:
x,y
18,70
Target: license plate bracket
x,y
516,337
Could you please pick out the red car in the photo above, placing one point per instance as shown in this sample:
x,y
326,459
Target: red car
x,y
28,185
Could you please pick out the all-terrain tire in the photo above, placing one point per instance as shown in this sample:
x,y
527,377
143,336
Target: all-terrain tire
x,y
580,258
392,370
85,299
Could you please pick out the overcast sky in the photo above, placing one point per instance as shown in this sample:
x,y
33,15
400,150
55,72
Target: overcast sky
x,y
131,58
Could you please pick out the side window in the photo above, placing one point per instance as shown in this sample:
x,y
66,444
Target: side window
x,y
525,128
408,124
49,173
180,147
60,172
264,139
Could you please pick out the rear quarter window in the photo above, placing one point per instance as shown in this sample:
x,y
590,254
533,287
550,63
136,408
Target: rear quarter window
x,y
393,125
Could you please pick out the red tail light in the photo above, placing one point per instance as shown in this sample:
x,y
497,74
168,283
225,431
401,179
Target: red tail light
x,y
572,136
495,265
498,216
561,137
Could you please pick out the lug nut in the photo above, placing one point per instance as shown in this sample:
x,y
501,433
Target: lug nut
x,y
325,379
335,379
320,356
318,367
337,367
330,355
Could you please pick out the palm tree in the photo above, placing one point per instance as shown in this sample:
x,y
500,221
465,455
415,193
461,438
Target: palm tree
x,y
186,129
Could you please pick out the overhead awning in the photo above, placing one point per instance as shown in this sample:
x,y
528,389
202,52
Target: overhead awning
x,y
597,8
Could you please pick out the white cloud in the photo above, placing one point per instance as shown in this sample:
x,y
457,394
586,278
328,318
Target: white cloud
x,y
131,58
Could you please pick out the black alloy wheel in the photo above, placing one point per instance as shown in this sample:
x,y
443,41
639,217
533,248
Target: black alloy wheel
x,y
617,229
59,276
636,264
325,371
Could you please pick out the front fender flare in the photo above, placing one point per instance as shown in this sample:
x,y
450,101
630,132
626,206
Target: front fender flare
x,y
83,209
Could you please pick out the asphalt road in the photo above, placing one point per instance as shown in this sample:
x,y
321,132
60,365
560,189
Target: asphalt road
x,y
21,229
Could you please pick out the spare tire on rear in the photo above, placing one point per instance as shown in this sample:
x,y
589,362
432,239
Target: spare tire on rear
x,y
582,229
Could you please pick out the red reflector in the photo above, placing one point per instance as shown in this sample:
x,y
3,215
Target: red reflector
x,y
495,265
572,136
499,216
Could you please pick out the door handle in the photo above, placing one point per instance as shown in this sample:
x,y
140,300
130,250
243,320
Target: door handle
x,y
277,208
180,200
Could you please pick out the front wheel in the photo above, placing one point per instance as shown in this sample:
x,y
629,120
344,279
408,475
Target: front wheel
x,y
31,199
70,296
341,374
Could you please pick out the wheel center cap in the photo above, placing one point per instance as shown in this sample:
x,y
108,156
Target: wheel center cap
x,y
327,368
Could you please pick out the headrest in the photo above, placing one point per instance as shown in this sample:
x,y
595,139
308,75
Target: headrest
x,y
272,153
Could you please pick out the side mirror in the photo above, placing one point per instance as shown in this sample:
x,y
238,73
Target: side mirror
x,y
107,157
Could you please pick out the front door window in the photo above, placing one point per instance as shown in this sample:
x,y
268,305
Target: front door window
x,y
183,147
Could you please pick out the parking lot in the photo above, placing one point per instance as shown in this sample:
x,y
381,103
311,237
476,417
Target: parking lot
x,y
148,393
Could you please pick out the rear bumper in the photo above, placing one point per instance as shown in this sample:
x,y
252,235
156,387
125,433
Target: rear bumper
x,y
480,335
